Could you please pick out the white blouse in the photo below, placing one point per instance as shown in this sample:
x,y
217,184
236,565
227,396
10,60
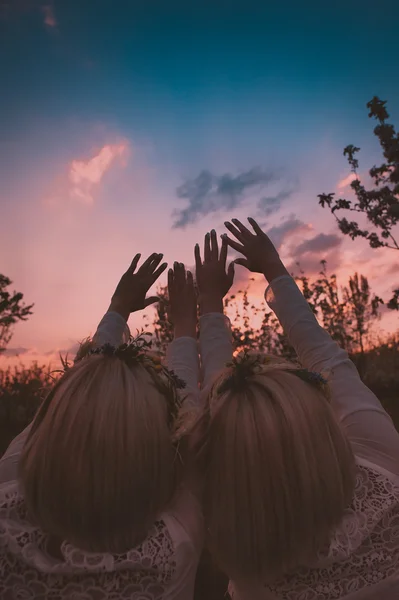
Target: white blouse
x,y
164,565
362,561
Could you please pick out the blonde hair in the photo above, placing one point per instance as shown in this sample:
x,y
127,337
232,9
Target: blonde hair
x,y
99,465
279,472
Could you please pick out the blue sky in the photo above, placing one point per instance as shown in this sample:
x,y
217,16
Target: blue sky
x,y
172,90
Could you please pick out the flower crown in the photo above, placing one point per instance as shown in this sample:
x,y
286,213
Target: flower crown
x,y
245,365
136,352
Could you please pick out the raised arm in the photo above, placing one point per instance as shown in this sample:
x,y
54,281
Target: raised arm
x,y
368,426
216,347
182,353
129,296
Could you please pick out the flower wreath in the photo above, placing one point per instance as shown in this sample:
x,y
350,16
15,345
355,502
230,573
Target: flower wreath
x,y
136,352
245,365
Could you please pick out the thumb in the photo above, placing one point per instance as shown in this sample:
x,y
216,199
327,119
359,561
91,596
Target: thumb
x,y
243,262
151,300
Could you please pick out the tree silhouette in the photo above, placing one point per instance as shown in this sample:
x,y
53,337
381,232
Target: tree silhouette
x,y
12,309
380,205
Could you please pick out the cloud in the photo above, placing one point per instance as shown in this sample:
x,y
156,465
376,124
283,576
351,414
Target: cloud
x,y
49,16
82,178
209,193
310,252
271,204
279,233
85,175
310,264
15,351
70,352
320,243
16,8
346,181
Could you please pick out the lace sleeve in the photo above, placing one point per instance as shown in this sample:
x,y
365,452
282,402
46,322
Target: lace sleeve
x,y
9,461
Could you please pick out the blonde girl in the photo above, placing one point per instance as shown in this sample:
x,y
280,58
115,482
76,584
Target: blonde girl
x,y
301,462
95,503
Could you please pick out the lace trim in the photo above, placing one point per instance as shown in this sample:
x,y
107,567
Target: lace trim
x,y
28,572
364,550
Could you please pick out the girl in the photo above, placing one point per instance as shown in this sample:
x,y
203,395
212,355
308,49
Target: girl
x,y
93,501
301,491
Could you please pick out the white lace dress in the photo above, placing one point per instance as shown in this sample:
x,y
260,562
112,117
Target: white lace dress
x,y
362,560
162,567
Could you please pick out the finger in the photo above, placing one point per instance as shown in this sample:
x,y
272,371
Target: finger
x,y
230,273
190,280
223,251
155,262
243,262
235,231
180,274
150,270
146,264
151,300
235,245
134,263
158,272
255,226
214,246
197,254
207,248
242,228
171,280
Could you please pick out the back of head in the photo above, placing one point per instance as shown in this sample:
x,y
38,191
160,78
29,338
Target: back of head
x,y
98,466
279,472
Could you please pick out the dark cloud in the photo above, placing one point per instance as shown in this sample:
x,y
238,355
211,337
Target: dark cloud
x,y
310,252
72,350
15,351
271,204
310,263
208,193
279,233
320,243
64,351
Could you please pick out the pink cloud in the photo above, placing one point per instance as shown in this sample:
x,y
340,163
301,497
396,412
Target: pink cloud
x,y
49,16
346,181
85,175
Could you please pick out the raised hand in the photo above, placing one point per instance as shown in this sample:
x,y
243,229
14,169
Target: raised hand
x,y
213,281
131,291
260,254
182,310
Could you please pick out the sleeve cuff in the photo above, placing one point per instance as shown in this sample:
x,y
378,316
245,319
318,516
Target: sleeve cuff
x,y
183,341
274,286
209,317
112,329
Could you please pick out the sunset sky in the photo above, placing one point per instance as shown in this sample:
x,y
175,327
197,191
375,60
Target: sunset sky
x,y
137,126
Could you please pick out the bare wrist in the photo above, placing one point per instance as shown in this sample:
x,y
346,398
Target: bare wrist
x,y
120,309
185,329
274,270
210,304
